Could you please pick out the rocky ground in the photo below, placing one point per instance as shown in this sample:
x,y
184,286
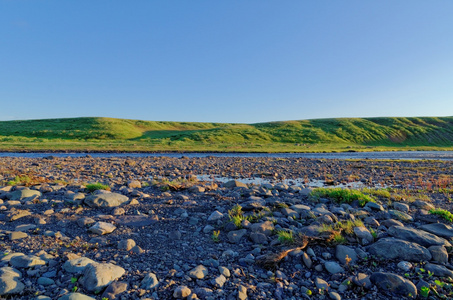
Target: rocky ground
x,y
159,233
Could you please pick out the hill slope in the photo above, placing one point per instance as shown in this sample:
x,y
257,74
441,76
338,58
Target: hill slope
x,y
305,135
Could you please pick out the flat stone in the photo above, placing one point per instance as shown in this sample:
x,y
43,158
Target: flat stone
x,y
265,228
394,283
341,252
26,261
105,200
25,227
288,212
234,183
216,215
391,222
45,281
15,214
9,281
76,296
98,275
333,267
299,208
401,207
24,195
400,215
391,248
307,260
258,238
199,272
114,289
102,228
420,237
77,265
149,282
235,236
439,229
17,235
136,221
438,270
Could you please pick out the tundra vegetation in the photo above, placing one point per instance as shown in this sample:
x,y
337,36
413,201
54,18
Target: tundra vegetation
x,y
318,135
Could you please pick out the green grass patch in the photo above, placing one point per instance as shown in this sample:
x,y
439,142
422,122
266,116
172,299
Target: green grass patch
x,y
443,213
96,186
340,195
285,237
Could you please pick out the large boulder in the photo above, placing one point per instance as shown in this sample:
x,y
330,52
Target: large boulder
x,y
391,248
394,283
420,237
106,200
98,275
9,281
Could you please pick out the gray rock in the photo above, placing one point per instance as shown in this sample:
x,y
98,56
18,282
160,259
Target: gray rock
x,y
374,206
423,204
235,236
307,260
127,244
16,214
401,207
77,265
76,296
149,282
9,281
217,215
219,281
362,280
400,215
181,292
438,270
114,289
45,281
242,292
102,228
363,234
288,212
234,183
321,284
439,229
333,267
391,248
26,261
98,275
264,227
439,254
391,222
105,200
258,238
342,251
420,237
299,208
17,235
224,271
199,272
334,296
24,195
394,283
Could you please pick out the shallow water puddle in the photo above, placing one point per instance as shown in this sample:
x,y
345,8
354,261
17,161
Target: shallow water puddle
x,y
301,182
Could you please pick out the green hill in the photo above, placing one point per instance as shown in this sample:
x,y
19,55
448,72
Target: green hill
x,y
342,134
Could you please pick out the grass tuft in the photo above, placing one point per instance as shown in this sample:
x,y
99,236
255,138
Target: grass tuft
x,y
443,213
97,186
340,195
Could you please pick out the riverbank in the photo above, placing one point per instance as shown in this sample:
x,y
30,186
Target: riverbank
x,y
160,232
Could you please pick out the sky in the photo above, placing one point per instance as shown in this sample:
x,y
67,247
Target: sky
x,y
238,61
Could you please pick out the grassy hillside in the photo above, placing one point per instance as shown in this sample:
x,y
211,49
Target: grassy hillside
x,y
101,134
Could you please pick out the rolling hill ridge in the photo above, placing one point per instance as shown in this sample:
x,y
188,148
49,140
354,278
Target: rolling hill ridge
x,y
299,136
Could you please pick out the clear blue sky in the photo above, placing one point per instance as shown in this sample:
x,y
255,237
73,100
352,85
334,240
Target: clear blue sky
x,y
241,61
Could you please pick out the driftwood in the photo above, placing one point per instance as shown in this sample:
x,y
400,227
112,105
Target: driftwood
x,y
271,260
